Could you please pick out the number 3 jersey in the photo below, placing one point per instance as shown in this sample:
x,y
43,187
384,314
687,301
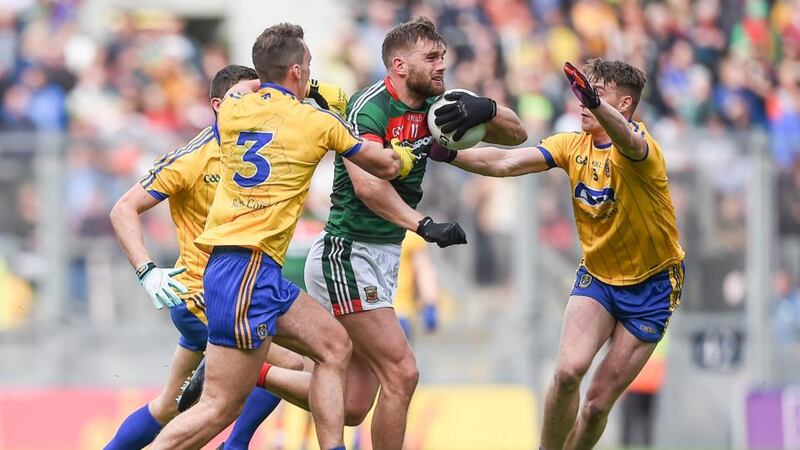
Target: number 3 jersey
x,y
623,208
270,145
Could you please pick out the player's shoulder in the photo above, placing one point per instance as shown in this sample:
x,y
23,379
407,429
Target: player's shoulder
x,y
374,97
205,138
318,115
566,140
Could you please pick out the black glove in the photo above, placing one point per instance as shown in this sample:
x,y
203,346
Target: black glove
x,y
581,86
467,111
443,234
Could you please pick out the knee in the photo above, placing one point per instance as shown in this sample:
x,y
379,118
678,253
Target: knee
x,y
568,378
163,409
338,348
596,408
223,414
402,377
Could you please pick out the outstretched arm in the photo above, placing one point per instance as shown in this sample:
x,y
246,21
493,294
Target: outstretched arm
x,y
625,139
505,128
495,162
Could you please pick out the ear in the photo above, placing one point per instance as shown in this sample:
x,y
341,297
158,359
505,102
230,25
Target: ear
x,y
625,105
399,66
215,103
296,72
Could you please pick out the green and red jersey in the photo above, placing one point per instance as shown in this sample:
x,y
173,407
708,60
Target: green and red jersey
x,y
377,114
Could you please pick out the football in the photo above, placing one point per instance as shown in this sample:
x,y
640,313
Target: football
x,y
470,138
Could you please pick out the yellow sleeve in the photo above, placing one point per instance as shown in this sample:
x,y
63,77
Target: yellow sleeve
x,y
176,171
556,149
653,164
336,134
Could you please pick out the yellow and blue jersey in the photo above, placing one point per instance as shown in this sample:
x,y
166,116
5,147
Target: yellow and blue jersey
x,y
623,209
270,145
188,178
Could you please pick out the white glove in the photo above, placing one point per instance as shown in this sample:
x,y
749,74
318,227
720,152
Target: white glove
x,y
160,285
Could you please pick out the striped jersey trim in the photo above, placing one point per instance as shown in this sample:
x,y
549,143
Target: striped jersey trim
x,y
339,276
199,141
241,330
369,94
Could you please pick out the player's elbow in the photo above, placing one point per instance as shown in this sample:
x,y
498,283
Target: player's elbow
x,y
366,190
117,211
387,169
519,135
391,170
121,210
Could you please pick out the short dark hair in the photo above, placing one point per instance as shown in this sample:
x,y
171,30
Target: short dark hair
x,y
227,77
625,76
276,49
407,34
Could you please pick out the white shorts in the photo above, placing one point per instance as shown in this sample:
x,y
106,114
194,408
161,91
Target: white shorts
x,y
347,276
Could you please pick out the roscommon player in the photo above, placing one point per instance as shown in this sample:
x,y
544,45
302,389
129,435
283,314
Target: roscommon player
x,y
270,146
630,279
187,179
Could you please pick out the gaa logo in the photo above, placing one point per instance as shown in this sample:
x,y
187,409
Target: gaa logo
x,y
262,331
585,281
210,179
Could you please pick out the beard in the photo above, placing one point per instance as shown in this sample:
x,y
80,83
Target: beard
x,y
422,84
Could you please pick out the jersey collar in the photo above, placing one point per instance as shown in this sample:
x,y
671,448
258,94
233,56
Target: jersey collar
x,y
277,87
393,93
390,88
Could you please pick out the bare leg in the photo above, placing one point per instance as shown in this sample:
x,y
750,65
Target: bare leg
x,y
164,408
308,328
283,357
379,340
230,376
587,326
623,362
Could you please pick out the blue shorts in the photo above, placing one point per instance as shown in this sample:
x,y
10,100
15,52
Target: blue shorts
x,y
194,332
245,294
643,309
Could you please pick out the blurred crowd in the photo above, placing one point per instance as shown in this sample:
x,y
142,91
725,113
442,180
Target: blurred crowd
x,y
136,86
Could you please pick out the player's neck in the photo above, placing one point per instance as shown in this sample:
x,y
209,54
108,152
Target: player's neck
x,y
289,84
600,138
408,97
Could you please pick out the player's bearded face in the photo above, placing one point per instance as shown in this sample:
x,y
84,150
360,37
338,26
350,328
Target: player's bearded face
x,y
426,70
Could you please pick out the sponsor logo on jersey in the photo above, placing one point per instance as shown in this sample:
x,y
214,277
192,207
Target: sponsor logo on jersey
x,y
371,293
593,197
410,127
